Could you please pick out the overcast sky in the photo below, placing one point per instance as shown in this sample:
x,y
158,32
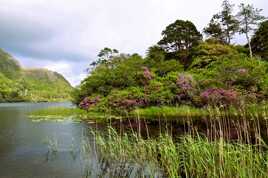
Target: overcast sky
x,y
66,35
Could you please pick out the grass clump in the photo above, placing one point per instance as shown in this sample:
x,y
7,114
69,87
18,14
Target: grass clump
x,y
170,112
189,156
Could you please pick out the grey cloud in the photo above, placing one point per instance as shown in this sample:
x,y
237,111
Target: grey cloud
x,y
74,31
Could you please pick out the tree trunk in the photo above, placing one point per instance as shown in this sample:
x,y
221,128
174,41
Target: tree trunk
x,y
249,46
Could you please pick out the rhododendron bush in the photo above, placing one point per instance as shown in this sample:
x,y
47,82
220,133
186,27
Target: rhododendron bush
x,y
219,96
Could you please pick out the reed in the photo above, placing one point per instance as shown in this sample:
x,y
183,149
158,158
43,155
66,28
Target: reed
x,y
189,156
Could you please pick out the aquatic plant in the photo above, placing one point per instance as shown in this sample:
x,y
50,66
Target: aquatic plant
x,y
191,156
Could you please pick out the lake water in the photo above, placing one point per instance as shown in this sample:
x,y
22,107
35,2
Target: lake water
x,y
44,149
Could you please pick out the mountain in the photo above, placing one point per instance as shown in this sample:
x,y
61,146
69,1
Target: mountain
x,y
8,65
19,84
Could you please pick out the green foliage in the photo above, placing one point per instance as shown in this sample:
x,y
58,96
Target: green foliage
x,y
160,63
238,72
158,93
224,24
121,101
122,72
179,36
214,30
243,73
249,17
259,41
209,52
105,55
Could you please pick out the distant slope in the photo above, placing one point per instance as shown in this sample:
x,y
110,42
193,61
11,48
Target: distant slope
x,y
17,84
8,65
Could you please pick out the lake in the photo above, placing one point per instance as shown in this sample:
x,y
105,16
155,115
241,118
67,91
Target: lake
x,y
39,149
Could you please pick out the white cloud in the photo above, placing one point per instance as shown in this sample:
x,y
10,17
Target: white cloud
x,y
73,31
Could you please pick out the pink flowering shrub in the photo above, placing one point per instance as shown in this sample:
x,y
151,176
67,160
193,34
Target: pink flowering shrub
x,y
185,82
126,100
144,76
219,96
147,74
186,89
86,103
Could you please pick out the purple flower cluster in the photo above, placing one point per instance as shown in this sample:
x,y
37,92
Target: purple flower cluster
x,y
86,103
147,74
219,96
185,82
128,104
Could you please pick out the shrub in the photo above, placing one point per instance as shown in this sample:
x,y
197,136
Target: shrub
x,y
244,74
88,102
158,93
206,53
126,100
219,96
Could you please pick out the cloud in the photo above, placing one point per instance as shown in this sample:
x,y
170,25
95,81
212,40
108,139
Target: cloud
x,y
39,32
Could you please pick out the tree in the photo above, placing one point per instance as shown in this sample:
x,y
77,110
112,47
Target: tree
x,y
105,55
228,21
179,36
223,25
249,17
259,41
214,30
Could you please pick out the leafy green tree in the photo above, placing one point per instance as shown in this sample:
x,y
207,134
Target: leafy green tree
x,y
180,35
259,41
178,40
105,55
249,18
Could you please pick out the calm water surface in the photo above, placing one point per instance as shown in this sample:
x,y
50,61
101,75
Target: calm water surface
x,y
38,149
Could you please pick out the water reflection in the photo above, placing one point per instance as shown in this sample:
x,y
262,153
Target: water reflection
x,y
24,148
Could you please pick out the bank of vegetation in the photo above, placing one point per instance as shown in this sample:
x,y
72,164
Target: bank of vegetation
x,y
183,70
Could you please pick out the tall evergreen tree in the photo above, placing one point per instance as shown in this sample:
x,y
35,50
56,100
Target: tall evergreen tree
x,y
228,20
249,18
214,30
223,24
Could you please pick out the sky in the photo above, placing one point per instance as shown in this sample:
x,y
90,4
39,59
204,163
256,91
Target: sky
x,y
66,35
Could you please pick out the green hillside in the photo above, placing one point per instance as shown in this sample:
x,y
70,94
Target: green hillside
x,y
8,66
18,84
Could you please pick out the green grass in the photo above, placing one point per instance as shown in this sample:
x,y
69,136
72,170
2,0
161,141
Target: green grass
x,y
188,157
173,112
170,112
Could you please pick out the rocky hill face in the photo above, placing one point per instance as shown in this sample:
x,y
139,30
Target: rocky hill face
x,y
18,84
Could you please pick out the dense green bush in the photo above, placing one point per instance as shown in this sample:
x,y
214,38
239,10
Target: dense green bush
x,y
158,93
119,101
220,74
121,72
